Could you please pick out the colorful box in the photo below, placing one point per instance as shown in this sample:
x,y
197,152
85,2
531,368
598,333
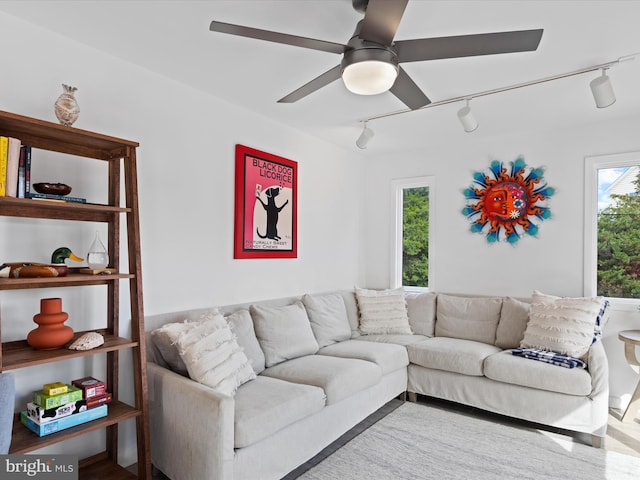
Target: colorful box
x,y
92,387
55,388
95,401
42,415
52,401
64,422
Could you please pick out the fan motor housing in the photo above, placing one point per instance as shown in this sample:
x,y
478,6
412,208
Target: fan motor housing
x,y
363,54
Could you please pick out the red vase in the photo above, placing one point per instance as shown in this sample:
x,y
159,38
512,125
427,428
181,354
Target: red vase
x,y
51,332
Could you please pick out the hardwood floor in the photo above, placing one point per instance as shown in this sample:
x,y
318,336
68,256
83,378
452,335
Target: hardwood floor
x,y
622,437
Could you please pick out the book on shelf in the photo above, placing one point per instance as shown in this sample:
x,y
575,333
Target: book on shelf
x,y
62,423
4,147
55,198
13,158
27,169
21,173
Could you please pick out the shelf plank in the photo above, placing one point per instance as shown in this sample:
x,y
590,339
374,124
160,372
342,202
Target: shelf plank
x,y
71,280
63,139
26,207
103,469
19,354
25,441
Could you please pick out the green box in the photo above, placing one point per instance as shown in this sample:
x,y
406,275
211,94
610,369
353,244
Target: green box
x,y
52,401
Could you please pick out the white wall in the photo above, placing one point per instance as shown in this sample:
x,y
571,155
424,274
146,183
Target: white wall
x,y
186,174
463,262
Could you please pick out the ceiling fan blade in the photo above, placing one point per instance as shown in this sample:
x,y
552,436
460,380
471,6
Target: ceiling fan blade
x,y
276,37
316,84
468,45
381,20
408,92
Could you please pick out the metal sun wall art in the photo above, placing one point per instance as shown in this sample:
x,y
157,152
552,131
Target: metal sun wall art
x,y
505,203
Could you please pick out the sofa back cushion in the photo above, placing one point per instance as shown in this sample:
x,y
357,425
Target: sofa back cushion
x,y
382,311
328,317
242,326
514,317
562,324
283,332
421,308
468,318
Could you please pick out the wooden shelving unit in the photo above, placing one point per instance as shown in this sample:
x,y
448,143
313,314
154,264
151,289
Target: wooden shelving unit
x,y
121,157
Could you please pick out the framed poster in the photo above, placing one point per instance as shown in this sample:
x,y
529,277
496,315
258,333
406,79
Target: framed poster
x,y
266,205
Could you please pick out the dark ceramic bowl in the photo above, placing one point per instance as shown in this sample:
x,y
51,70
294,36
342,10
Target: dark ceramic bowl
x,y
52,188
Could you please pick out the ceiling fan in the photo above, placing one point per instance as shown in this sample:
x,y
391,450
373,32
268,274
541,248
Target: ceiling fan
x,y
371,59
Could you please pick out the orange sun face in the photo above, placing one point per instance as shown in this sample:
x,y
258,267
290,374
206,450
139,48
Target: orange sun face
x,y
503,205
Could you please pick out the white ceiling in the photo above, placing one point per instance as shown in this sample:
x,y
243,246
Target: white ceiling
x,y
173,38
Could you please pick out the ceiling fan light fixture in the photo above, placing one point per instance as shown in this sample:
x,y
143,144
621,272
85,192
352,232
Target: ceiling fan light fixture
x,y
369,77
602,90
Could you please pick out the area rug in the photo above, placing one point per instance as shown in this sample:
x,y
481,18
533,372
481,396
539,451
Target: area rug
x,y
421,442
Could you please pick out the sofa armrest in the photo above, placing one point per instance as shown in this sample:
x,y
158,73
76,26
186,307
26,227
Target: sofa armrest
x,y
191,427
599,369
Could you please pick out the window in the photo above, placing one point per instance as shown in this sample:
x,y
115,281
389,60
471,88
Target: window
x,y
410,245
612,226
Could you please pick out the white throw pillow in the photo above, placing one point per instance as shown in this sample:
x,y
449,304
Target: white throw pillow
x,y
165,338
283,332
213,357
562,324
468,318
382,312
328,317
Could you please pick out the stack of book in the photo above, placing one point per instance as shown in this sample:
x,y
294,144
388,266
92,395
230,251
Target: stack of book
x,y
59,406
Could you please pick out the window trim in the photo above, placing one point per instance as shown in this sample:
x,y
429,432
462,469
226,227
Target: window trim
x,y
590,247
397,196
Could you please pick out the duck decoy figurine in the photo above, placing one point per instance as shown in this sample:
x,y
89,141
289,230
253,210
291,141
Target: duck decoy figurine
x,y
57,267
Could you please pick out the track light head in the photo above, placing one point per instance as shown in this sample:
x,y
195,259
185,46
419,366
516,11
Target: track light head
x,y
365,137
468,121
602,90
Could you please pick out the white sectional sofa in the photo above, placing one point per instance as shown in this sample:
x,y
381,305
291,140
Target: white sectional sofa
x,y
316,365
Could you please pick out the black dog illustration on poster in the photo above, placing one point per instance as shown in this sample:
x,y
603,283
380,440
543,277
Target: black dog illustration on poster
x,y
272,210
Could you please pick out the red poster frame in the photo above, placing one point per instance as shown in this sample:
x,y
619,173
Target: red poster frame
x,y
266,205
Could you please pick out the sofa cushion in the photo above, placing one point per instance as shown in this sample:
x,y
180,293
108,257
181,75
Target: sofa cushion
x,y
328,316
398,339
338,377
213,357
421,309
283,332
242,326
562,324
382,311
514,317
266,405
468,318
387,356
451,354
507,368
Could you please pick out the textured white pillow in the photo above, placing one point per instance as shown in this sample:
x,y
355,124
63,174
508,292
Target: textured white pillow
x,y
328,317
165,338
283,332
213,357
562,324
382,311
